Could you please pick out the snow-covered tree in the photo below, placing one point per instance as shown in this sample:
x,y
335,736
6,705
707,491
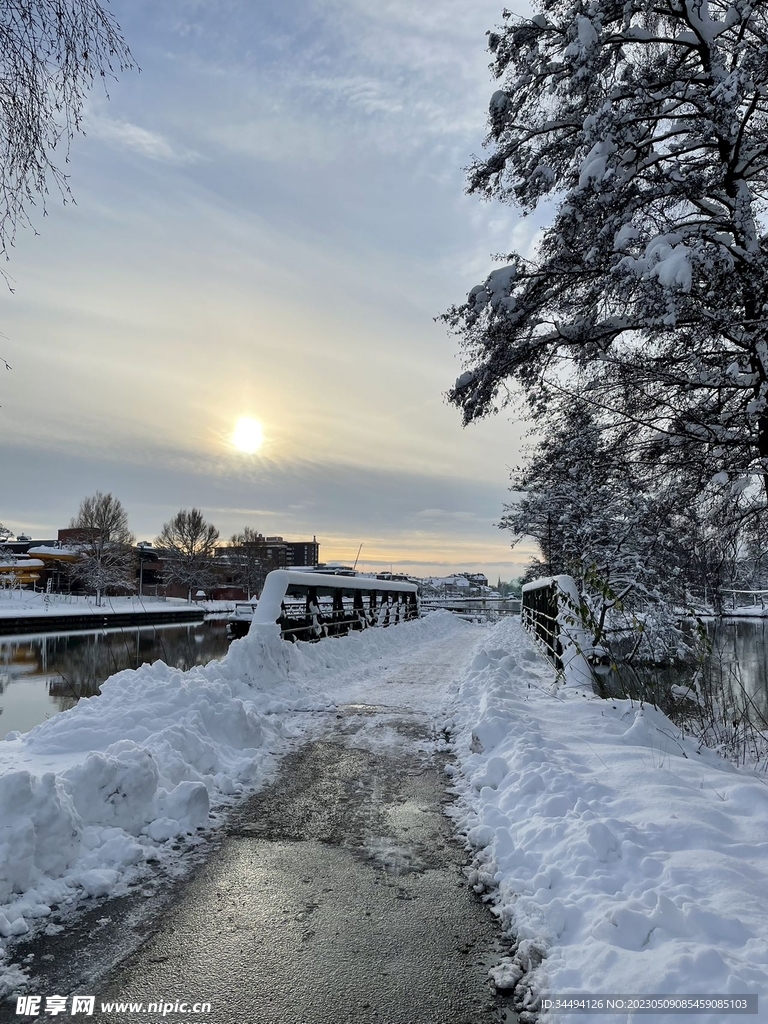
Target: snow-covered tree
x,y
187,545
645,126
595,518
104,543
750,568
570,496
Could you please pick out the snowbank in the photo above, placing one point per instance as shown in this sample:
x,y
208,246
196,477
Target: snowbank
x,y
15,603
91,796
626,860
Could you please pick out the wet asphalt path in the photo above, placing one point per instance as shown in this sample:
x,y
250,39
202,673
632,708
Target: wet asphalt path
x,y
337,895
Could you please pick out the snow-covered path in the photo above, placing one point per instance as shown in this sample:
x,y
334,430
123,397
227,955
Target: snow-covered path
x,y
91,800
336,895
420,678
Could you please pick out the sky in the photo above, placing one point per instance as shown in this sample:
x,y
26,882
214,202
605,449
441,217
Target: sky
x,y
268,217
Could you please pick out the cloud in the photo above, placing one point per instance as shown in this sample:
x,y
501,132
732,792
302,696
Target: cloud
x,y
370,95
376,505
277,138
441,515
140,140
397,77
230,510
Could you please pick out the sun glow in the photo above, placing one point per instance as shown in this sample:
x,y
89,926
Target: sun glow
x,y
248,435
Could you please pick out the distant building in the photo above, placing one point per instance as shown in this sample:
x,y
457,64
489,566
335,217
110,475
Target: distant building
x,y
22,544
477,579
284,554
54,555
78,534
465,583
302,552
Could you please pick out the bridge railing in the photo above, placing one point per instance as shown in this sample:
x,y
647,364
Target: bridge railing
x,y
724,599
482,605
553,614
356,602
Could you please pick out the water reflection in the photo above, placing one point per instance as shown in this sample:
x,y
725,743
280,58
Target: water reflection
x,y
42,675
734,675
739,664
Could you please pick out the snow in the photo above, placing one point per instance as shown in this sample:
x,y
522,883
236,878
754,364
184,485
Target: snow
x,y
587,33
26,603
672,266
667,259
56,551
622,857
92,797
627,233
22,562
595,165
625,859
499,103
465,379
586,38
496,293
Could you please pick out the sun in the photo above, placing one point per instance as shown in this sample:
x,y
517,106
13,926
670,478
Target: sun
x,y
248,435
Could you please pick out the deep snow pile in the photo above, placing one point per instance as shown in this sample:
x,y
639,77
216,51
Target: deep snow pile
x,y
90,796
626,860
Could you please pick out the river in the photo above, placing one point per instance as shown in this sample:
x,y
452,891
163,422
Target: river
x,y
734,675
42,675
739,662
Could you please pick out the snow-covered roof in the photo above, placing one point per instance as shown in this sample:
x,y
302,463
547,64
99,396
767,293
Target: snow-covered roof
x,y
51,551
20,564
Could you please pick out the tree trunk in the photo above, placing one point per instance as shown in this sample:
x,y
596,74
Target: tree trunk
x,y
762,447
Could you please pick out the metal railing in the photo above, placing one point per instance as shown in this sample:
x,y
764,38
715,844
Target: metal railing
x,y
482,605
728,599
539,615
332,605
553,614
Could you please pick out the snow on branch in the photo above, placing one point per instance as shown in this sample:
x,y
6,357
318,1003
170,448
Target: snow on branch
x,y
646,127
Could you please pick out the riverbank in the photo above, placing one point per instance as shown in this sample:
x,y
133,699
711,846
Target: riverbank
x,y
25,611
45,673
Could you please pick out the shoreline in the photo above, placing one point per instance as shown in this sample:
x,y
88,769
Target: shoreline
x,y
41,613
95,619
